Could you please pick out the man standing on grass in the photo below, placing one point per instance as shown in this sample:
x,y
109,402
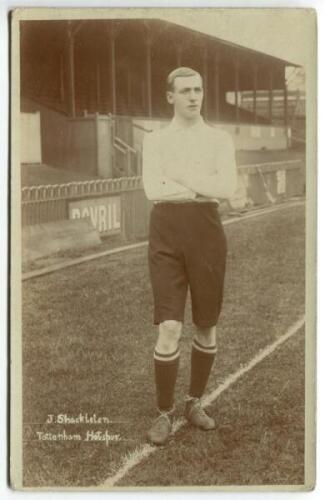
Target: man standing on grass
x,y
187,167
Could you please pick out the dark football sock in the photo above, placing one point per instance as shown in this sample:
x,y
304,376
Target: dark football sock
x,y
166,368
201,363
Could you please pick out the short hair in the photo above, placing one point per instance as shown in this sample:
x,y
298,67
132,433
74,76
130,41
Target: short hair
x,y
182,71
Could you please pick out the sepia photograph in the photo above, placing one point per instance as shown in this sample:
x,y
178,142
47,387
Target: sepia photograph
x,y
163,232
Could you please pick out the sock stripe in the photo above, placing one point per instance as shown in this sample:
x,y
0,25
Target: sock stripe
x,y
207,349
163,355
166,357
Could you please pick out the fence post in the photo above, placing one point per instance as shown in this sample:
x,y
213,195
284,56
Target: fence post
x,y
124,218
129,169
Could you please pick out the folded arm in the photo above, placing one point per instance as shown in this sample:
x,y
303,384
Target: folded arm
x,y
220,184
216,185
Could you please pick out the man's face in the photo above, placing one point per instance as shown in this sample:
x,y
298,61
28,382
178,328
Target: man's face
x,y
186,96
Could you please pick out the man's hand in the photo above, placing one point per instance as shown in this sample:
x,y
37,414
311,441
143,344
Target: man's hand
x,y
178,174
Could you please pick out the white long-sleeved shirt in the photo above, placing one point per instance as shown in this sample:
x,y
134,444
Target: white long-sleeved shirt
x,y
204,153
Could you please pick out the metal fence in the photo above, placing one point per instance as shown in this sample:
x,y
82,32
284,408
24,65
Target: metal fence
x,y
41,204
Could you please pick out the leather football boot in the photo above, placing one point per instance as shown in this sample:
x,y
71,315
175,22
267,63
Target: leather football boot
x,y
196,415
161,428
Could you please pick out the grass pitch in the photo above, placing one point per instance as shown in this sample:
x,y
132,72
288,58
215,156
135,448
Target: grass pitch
x,y
88,345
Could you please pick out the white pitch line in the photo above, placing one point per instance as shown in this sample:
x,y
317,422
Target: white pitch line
x,y
142,452
81,260
262,211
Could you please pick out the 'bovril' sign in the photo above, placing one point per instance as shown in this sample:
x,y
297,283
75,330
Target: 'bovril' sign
x,y
105,213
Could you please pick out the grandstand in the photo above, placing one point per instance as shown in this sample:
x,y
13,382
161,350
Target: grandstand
x,y
97,86
296,109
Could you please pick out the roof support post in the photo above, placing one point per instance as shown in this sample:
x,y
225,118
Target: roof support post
x,y
71,73
73,29
285,101
217,84
179,53
62,93
98,89
271,96
205,81
112,49
148,75
129,78
255,74
237,90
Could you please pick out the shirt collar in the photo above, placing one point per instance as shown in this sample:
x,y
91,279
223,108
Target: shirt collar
x,y
175,125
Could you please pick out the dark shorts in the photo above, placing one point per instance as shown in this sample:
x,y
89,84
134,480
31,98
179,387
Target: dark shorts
x,y
187,249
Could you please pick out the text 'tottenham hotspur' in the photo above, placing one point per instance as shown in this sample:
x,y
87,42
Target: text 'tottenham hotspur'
x,y
90,435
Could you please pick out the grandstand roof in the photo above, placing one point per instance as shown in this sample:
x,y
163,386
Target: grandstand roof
x,y
46,65
221,41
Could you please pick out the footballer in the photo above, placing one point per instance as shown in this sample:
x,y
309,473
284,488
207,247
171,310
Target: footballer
x,y
187,168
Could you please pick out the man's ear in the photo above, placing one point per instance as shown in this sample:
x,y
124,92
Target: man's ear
x,y
170,97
